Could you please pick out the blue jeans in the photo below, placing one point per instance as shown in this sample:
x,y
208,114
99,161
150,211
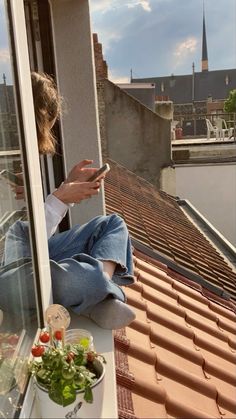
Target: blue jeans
x,y
76,256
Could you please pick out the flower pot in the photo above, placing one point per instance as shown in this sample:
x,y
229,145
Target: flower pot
x,y
79,408
75,335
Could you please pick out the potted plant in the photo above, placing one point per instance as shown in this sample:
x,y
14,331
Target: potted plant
x,y
69,376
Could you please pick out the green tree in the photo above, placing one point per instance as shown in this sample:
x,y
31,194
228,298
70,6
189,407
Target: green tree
x,y
230,103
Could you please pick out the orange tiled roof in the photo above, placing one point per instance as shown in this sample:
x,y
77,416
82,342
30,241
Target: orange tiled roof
x,y
156,220
177,358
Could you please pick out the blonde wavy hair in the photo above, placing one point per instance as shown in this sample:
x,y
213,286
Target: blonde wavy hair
x,y
47,108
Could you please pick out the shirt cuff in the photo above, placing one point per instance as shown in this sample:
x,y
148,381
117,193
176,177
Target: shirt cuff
x,y
59,207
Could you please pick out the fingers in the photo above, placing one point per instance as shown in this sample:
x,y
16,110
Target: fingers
x,y
76,191
95,185
83,163
19,192
91,188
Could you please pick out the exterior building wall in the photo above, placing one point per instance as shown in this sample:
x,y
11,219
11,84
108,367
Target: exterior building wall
x,y
101,65
216,198
76,81
131,133
101,75
215,106
102,115
165,109
136,137
144,93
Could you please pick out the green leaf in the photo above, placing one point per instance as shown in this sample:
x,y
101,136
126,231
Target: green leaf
x,y
88,395
230,103
55,394
79,358
43,376
69,395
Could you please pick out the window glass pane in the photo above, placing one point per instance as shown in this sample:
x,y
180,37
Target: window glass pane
x,y
18,314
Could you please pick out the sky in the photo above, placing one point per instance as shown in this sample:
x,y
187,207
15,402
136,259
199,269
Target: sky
x,y
162,37
154,37
4,46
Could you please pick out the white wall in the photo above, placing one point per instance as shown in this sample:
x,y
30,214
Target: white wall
x,y
212,190
76,81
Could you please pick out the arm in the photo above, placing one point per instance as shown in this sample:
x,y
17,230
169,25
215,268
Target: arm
x,y
55,211
73,190
57,204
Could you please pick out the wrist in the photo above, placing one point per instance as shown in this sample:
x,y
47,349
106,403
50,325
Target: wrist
x,y
58,193
64,195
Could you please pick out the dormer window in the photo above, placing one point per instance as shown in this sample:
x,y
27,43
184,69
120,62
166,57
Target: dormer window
x,y
227,80
162,87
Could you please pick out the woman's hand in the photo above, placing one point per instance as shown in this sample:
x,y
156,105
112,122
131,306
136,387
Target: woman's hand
x,y
75,192
19,192
80,172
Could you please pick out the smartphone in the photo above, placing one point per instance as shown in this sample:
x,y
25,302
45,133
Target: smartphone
x,y
100,172
11,178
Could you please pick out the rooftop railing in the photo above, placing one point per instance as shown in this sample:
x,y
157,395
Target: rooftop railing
x,y
194,125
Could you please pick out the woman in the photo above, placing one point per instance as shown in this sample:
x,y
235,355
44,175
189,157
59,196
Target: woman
x,y
88,262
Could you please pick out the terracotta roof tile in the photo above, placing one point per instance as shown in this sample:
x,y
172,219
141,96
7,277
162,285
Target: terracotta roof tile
x,y
177,358
155,219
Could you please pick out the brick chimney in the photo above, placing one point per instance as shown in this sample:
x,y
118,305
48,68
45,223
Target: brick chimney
x,y
100,63
101,76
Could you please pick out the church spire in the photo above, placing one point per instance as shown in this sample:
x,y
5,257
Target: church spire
x,y
204,45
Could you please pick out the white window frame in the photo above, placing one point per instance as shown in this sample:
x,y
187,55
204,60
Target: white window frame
x,y
27,111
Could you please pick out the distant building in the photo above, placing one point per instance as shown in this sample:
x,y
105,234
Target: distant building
x,y
8,133
143,92
197,93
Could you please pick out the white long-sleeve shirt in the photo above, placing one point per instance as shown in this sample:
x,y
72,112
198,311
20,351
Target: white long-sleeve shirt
x,y
55,211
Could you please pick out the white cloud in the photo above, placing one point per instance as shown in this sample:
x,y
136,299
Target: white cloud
x,y
4,55
101,5
118,78
144,3
183,51
104,6
106,36
186,47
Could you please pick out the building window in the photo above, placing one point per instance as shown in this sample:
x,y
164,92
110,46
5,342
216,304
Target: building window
x,y
162,87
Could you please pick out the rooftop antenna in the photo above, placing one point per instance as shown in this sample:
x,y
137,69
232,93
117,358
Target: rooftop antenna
x,y
193,82
131,75
204,43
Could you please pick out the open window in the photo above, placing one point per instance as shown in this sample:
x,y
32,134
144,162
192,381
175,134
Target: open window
x,y
22,295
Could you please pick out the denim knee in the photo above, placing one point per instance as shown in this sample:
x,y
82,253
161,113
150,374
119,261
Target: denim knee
x,y
19,229
116,219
